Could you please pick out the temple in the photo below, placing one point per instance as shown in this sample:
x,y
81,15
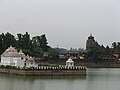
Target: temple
x,y
90,43
14,58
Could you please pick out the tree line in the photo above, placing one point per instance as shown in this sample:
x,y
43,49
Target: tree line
x,y
101,53
36,46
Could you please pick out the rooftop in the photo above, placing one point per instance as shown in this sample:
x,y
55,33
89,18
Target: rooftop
x,y
10,52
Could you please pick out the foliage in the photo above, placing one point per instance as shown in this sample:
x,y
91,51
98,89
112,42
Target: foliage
x,y
6,40
99,53
53,53
40,41
116,47
7,67
35,46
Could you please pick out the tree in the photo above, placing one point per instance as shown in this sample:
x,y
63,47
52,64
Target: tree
x,y
1,44
38,52
114,44
36,41
116,47
34,47
41,42
20,42
24,41
27,41
95,54
53,53
8,39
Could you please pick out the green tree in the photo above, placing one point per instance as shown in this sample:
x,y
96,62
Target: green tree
x,y
53,53
8,39
116,47
41,42
20,41
36,41
38,52
1,44
27,41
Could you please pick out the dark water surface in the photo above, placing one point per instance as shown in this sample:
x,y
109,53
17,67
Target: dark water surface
x,y
96,79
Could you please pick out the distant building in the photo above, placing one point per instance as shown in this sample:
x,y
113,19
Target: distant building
x,y
73,54
69,63
90,43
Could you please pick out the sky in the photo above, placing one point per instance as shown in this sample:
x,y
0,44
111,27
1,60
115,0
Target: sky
x,y
66,23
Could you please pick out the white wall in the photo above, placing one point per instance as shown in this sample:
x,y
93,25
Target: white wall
x,y
31,64
13,61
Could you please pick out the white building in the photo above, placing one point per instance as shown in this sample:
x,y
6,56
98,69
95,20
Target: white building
x,y
30,62
12,57
23,56
69,63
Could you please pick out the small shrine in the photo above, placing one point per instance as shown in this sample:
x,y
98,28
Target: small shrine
x,y
69,63
30,62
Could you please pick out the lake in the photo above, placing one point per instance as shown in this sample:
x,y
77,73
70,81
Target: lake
x,y
96,79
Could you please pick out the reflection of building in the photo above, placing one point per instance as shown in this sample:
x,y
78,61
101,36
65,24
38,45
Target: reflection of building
x,y
69,63
90,42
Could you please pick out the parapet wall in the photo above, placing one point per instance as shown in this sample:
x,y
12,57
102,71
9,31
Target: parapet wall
x,y
47,71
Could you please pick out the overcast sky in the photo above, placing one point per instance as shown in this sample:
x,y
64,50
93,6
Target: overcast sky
x,y
66,23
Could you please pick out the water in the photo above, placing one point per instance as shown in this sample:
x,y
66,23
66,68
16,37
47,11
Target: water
x,y
97,79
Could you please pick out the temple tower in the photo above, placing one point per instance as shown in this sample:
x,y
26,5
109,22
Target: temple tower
x,y
90,43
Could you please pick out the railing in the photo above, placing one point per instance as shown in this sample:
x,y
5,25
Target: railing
x,y
56,68
44,67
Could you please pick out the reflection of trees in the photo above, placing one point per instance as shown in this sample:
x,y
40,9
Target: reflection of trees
x,y
34,84
41,85
10,86
69,84
45,83
21,83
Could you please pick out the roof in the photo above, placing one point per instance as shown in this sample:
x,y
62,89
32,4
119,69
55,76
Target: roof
x,y
38,60
20,52
69,60
91,37
10,52
30,59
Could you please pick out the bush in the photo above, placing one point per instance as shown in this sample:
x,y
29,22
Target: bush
x,y
2,66
8,67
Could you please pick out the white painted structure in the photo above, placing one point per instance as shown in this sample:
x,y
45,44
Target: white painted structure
x,y
12,57
69,63
30,62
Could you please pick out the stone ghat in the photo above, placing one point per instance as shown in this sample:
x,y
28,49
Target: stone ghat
x,y
47,71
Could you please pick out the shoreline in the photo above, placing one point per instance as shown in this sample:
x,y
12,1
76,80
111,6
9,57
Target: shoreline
x,y
101,65
46,71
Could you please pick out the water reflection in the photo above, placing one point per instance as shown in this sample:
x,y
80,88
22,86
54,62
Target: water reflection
x,y
97,79
101,79
11,82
